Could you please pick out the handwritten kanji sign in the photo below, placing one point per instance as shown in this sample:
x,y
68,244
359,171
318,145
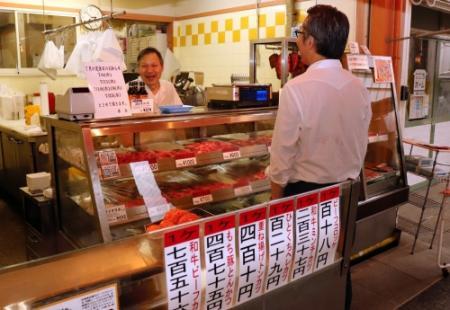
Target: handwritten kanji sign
x,y
281,243
220,262
306,235
329,225
182,263
252,254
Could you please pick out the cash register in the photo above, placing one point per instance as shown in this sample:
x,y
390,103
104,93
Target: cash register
x,y
76,104
239,96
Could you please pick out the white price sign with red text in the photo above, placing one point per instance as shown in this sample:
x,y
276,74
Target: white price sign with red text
x,y
252,254
306,235
281,243
220,262
329,225
183,272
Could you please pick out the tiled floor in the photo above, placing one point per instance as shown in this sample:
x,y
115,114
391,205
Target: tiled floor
x,y
390,279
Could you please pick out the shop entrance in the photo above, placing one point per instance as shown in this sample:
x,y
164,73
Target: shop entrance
x,y
428,109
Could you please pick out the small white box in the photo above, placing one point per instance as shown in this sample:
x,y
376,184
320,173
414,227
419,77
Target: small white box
x,y
38,181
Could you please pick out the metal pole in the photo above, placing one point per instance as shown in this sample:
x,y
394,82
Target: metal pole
x,y
430,179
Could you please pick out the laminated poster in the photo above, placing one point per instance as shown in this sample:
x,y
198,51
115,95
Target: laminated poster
x,y
383,72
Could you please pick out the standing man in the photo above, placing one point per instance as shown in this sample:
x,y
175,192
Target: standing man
x,y
321,131
150,68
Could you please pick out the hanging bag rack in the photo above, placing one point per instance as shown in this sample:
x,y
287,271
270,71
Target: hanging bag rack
x,y
62,28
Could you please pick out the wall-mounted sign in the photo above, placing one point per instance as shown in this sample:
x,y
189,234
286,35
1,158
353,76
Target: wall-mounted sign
x,y
420,79
383,72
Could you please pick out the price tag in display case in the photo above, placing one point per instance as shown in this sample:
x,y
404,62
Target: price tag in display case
x,y
306,235
231,155
116,213
281,243
252,254
183,272
109,166
329,225
104,298
185,162
243,190
220,258
198,200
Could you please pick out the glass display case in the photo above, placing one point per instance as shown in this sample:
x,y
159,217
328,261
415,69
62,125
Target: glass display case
x,y
207,163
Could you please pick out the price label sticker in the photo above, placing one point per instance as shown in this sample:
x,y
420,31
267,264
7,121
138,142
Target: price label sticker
x,y
110,171
116,213
107,161
185,162
202,199
142,105
243,190
231,155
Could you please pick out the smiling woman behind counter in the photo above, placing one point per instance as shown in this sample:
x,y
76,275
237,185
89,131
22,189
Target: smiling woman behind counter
x,y
150,68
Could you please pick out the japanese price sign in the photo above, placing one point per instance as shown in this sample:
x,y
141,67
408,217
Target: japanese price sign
x,y
328,227
116,213
142,105
220,259
383,72
108,88
252,251
306,235
357,62
281,243
104,298
182,262
109,166
156,204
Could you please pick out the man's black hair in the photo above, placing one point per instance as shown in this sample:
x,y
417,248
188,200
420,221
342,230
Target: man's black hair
x,y
329,27
150,50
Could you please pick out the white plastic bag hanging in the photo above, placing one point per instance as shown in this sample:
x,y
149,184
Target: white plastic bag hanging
x,y
52,58
109,50
82,53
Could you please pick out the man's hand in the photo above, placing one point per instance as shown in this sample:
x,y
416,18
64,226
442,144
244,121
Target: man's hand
x,y
277,190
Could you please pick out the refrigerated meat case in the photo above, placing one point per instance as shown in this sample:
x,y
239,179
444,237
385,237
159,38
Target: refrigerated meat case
x,y
383,175
207,162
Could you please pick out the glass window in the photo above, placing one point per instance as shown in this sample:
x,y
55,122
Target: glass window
x,y
32,40
8,44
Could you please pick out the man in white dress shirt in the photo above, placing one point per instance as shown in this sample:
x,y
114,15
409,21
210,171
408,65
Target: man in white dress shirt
x,y
321,131
150,66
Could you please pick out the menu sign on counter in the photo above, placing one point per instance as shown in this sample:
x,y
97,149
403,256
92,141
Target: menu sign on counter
x,y
220,258
104,298
183,272
252,254
306,235
328,227
281,243
108,88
